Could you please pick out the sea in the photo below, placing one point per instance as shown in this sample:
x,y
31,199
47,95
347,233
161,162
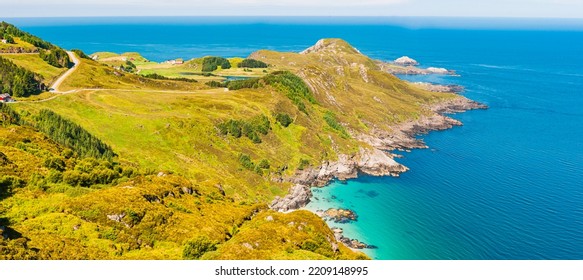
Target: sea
x,y
508,184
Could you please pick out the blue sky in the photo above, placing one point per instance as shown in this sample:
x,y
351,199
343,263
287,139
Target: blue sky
x,y
455,8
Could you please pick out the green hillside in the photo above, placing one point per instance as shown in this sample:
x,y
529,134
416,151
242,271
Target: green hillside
x,y
186,170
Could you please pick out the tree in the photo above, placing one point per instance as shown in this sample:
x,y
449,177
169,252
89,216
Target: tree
x,y
284,119
9,39
252,63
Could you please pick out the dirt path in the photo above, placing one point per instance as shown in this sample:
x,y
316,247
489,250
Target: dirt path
x,y
55,86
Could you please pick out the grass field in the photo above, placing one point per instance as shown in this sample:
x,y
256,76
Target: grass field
x,y
34,63
25,46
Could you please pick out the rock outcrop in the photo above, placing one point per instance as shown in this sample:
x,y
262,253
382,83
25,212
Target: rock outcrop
x,y
406,61
401,69
298,197
350,243
439,88
375,161
372,162
338,215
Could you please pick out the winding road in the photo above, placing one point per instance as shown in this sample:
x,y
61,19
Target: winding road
x,y
55,86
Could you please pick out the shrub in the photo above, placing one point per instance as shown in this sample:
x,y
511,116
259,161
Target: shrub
x,y
211,63
264,164
252,63
55,163
303,164
334,124
246,161
284,119
80,54
195,249
215,84
9,183
250,129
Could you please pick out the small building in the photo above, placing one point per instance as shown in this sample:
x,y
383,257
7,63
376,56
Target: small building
x,y
4,41
179,61
5,98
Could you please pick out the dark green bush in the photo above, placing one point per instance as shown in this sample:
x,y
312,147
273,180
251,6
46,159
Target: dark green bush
x,y
252,63
195,249
284,119
211,63
331,120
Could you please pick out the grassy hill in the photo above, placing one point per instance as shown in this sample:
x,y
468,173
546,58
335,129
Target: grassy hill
x,y
194,166
34,63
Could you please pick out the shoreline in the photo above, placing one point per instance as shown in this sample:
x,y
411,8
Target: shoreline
x,y
378,161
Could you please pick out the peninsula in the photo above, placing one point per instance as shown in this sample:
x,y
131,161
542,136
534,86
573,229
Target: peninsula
x,y
195,159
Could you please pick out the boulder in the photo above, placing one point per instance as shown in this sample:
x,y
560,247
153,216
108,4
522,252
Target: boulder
x,y
298,197
340,215
406,61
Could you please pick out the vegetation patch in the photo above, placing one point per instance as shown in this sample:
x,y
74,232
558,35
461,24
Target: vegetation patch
x,y
18,81
331,120
252,63
284,119
251,128
194,249
211,63
72,135
160,77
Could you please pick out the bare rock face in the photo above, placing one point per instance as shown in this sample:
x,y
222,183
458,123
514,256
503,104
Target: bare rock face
x,y
350,243
406,61
435,70
439,88
340,215
377,163
298,197
372,162
457,105
405,68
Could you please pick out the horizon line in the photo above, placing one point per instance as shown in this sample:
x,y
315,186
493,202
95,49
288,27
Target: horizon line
x,y
307,16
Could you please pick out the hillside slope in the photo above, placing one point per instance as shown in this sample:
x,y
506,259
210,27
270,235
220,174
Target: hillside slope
x,y
207,162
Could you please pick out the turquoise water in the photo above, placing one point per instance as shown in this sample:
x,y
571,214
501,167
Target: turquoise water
x,y
506,185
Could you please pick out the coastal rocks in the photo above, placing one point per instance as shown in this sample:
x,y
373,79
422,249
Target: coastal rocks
x,y
401,69
377,163
350,243
439,88
299,196
372,162
406,61
457,105
403,136
341,216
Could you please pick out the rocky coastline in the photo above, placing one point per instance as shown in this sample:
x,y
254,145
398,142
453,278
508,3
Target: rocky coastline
x,y
408,66
439,88
376,161
341,216
350,243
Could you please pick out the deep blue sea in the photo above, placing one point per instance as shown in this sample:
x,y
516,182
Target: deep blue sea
x,y
506,185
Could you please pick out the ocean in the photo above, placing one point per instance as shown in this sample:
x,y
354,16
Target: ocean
x,y
506,185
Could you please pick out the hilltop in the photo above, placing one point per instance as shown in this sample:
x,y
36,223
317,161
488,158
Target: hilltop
x,y
207,160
